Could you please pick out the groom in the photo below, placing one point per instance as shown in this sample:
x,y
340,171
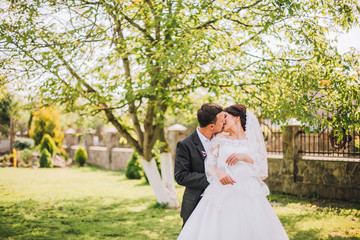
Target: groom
x,y
191,153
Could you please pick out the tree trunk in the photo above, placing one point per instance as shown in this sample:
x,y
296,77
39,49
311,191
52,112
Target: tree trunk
x,y
167,172
162,193
11,134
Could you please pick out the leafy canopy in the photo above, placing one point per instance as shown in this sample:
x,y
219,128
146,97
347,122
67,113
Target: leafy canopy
x,y
136,60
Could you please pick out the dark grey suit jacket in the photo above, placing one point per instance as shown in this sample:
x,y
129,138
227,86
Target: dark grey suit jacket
x,y
190,172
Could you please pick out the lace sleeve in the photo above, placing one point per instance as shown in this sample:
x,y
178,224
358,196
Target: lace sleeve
x,y
210,161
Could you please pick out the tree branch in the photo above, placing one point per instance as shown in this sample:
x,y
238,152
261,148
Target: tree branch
x,y
237,21
128,85
137,26
156,16
4,128
206,24
237,10
108,112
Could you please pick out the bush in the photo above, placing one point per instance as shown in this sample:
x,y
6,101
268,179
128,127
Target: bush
x,y
6,108
3,158
45,159
48,143
23,143
80,156
46,121
25,155
7,158
133,168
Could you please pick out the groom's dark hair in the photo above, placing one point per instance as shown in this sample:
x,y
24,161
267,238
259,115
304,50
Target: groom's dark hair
x,y
207,113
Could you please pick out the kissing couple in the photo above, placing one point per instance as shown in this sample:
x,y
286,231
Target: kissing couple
x,y
223,164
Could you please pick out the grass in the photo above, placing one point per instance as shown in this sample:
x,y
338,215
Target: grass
x,y
91,203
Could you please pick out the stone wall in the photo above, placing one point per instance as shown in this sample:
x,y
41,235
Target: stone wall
x,y
111,156
120,158
100,157
4,145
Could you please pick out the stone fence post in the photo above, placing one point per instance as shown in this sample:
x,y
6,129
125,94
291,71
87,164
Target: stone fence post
x,y
70,139
112,137
291,144
174,134
89,139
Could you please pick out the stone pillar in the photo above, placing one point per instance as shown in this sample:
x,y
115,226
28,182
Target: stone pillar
x,y
174,134
112,140
291,145
112,137
70,139
89,139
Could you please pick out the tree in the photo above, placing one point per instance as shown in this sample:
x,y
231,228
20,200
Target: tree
x,y
45,159
137,60
6,107
46,121
48,143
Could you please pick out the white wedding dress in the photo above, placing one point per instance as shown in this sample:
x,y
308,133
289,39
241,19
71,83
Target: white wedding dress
x,y
238,211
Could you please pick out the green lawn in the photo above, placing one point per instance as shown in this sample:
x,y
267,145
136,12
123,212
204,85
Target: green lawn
x,y
91,203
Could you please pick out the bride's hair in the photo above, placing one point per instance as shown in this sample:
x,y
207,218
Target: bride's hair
x,y
238,110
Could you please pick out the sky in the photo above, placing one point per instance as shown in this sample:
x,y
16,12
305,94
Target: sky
x,y
348,40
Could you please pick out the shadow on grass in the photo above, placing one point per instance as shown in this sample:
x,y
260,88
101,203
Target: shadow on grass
x,y
86,219
308,234
285,199
342,238
290,224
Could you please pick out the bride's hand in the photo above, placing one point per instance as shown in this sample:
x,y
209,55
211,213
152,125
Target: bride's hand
x,y
225,178
236,157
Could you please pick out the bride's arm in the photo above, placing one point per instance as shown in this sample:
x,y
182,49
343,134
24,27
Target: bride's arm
x,y
224,178
213,174
236,157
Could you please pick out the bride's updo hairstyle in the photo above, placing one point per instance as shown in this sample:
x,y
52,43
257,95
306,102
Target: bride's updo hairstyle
x,y
238,110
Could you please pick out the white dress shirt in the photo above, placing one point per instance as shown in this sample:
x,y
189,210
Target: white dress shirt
x,y
204,140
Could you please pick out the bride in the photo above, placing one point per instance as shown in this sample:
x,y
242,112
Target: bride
x,y
236,207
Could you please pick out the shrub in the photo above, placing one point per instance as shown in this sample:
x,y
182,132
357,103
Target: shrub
x,y
23,143
25,155
45,159
6,108
133,168
7,158
48,143
3,158
80,156
46,121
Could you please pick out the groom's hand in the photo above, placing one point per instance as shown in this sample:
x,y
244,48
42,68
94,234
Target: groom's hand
x,y
225,179
236,157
